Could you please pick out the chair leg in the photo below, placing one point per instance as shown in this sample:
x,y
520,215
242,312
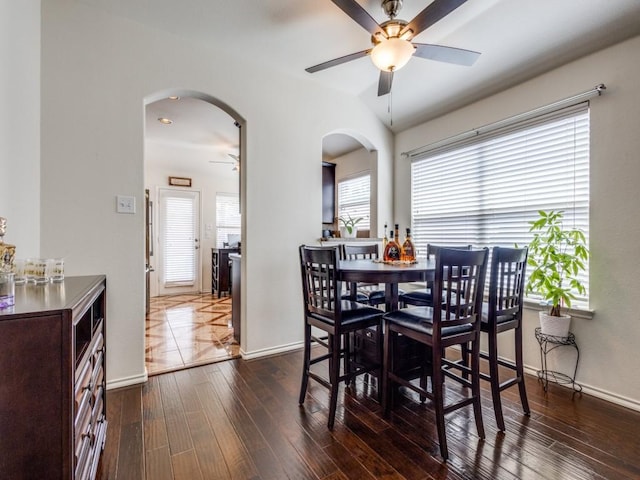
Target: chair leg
x,y
387,355
495,379
475,385
438,401
334,373
306,363
348,338
380,355
423,385
520,370
464,350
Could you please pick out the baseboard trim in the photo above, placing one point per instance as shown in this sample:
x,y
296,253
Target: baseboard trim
x,y
588,389
128,381
597,392
266,352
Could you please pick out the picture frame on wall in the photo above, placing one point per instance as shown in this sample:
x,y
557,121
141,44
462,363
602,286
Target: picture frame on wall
x,y
180,181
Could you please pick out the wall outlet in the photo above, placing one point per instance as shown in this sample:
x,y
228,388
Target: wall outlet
x,y
125,204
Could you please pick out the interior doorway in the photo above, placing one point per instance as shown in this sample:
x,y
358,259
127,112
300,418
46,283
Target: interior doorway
x,y
354,180
194,140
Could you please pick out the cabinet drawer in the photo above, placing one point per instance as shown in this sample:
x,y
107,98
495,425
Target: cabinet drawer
x,y
83,416
411,358
97,343
365,347
98,372
99,437
82,458
96,413
83,377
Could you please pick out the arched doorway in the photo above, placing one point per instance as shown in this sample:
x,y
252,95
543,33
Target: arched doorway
x,y
192,152
353,160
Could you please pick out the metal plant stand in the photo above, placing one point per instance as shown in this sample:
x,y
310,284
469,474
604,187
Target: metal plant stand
x,y
548,343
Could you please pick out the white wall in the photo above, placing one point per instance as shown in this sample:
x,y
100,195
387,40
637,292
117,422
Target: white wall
x,y
163,160
608,342
96,72
20,124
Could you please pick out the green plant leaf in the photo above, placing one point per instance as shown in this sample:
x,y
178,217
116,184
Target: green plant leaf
x,y
557,256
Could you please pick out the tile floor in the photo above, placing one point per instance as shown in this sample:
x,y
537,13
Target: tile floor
x,y
187,330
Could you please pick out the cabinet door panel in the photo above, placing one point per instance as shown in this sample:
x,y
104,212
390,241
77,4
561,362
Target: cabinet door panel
x,y
31,396
328,193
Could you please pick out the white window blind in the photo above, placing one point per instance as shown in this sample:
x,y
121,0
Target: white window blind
x,y
485,191
227,217
354,199
179,213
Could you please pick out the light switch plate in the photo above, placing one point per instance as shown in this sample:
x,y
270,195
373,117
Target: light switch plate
x,y
125,204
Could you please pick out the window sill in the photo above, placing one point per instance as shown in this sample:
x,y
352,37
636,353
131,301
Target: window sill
x,y
528,304
574,312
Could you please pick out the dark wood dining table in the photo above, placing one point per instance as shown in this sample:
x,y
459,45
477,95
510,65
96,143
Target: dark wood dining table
x,y
370,271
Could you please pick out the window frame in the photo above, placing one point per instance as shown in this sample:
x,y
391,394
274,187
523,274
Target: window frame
x,y
365,224
580,202
224,230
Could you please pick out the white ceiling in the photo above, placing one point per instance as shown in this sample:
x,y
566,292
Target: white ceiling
x,y
518,39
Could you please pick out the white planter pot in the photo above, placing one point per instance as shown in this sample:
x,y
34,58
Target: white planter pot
x,y
345,234
556,326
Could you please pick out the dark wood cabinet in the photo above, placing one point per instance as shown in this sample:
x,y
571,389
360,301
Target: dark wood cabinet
x,y
328,192
410,358
235,294
220,270
53,382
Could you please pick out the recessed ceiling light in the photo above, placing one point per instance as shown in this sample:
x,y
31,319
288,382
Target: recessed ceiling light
x,y
174,97
165,121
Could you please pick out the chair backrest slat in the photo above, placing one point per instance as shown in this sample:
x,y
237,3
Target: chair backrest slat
x,y
459,281
507,282
356,252
433,249
320,285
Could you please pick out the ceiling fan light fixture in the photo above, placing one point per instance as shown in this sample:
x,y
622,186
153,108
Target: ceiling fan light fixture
x,y
392,54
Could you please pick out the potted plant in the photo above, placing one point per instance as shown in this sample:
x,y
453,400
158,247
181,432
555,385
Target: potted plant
x,y
349,228
557,255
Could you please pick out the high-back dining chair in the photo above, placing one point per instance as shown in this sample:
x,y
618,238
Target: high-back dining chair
x,y
351,290
502,313
374,296
454,321
424,298
326,310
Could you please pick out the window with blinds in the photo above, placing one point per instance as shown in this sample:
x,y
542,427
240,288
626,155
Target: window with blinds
x,y
227,217
354,195
485,191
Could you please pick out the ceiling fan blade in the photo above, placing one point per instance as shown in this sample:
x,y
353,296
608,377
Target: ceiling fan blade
x,y
338,61
430,15
359,15
384,84
441,53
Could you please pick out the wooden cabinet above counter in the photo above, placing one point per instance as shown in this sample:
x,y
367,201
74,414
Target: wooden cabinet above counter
x,y
328,193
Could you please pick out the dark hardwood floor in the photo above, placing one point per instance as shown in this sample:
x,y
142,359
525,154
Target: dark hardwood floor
x,y
240,420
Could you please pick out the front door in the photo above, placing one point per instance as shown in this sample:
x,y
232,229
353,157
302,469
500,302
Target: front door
x,y
178,241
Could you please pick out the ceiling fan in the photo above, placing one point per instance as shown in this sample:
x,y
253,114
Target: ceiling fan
x,y
392,45
235,162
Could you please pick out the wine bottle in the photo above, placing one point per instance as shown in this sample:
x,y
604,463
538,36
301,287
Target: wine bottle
x,y
385,240
392,250
408,249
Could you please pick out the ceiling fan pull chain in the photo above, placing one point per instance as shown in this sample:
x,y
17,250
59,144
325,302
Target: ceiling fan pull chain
x,y
390,109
